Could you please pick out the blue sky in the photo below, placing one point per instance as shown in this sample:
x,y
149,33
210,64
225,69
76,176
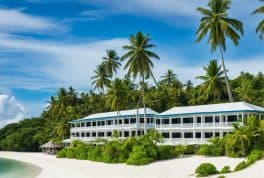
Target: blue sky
x,y
47,44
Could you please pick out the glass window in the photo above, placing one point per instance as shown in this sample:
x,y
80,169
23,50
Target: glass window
x,y
88,124
94,123
208,119
142,120
217,119
109,134
157,121
232,118
208,134
94,134
198,134
165,134
176,134
133,120
83,134
100,134
126,134
126,121
165,121
198,119
77,134
217,134
87,134
188,135
176,120
187,120
133,133
73,134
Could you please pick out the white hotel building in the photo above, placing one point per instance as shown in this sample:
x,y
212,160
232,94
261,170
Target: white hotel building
x,y
179,125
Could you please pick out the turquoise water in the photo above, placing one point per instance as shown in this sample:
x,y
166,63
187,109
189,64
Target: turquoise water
x,y
15,169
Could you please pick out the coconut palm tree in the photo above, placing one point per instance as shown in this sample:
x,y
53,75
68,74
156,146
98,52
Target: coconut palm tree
x,y
101,79
62,129
139,62
168,78
213,81
260,27
112,62
245,91
117,95
218,26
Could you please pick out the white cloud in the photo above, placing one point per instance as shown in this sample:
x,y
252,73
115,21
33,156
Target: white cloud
x,y
10,110
15,20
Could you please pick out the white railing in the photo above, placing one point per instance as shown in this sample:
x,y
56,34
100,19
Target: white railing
x,y
184,141
113,127
195,125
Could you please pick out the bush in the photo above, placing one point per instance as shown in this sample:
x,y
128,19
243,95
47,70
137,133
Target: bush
x,y
81,152
61,153
77,143
205,169
166,152
254,156
240,166
191,149
95,153
70,153
180,150
139,156
221,176
225,169
211,150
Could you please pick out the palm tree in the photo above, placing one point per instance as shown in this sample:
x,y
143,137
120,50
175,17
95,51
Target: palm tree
x,y
62,129
112,62
168,78
139,60
245,91
117,95
101,79
213,81
260,27
219,26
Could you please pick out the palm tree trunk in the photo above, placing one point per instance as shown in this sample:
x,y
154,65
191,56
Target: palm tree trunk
x,y
144,105
228,86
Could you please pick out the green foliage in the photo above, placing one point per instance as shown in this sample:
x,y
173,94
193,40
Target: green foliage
x,y
139,156
166,152
71,153
191,149
254,156
210,150
180,150
225,170
241,165
61,153
221,176
205,169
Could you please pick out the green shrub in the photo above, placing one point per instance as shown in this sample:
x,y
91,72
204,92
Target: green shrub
x,y
166,152
254,156
191,149
225,169
240,166
139,156
205,169
81,152
204,149
77,143
180,150
210,150
221,176
95,153
70,153
61,153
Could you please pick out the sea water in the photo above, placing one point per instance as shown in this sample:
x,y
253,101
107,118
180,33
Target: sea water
x,y
16,169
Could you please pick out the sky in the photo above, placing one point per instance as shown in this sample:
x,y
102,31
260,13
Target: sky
x,y
48,44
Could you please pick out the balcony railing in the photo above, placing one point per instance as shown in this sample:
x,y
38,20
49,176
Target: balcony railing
x,y
174,141
114,127
195,125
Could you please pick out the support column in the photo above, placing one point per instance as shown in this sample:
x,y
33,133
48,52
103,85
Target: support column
x,y
170,122
181,122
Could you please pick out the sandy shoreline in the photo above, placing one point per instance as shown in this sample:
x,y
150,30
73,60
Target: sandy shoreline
x,y
175,168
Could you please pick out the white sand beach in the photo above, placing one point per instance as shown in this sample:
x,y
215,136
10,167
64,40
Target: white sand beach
x,y
175,168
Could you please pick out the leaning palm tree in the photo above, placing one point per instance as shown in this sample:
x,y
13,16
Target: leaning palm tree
x,y
112,62
101,79
219,26
213,81
260,27
139,62
117,95
168,78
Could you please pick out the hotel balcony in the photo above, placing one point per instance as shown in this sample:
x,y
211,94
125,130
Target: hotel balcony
x,y
196,125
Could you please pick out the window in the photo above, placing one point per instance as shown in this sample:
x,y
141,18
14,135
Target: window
x,y
176,120
126,121
208,134
217,119
157,121
133,133
198,134
109,122
232,118
126,134
187,120
165,121
83,134
73,134
188,135
88,124
82,124
142,120
120,122
94,123
133,120
87,134
217,134
94,134
208,119
165,134
198,119
100,134
176,134
72,125
77,124
109,134
77,134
